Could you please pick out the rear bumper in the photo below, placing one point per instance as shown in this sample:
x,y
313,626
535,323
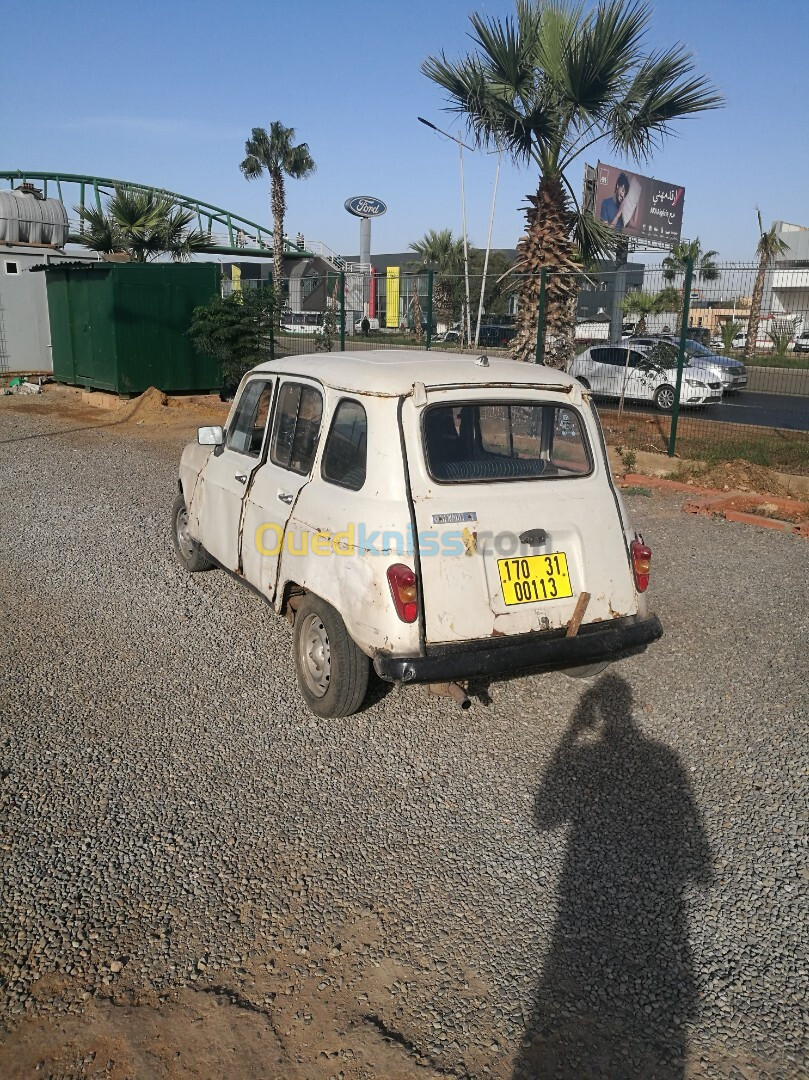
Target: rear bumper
x,y
542,650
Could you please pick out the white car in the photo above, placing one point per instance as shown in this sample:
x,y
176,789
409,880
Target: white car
x,y
438,516
644,373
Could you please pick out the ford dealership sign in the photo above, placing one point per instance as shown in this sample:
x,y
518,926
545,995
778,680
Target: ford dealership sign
x,y
365,206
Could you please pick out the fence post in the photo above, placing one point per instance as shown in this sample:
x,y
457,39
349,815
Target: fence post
x,y
429,309
675,411
540,353
342,311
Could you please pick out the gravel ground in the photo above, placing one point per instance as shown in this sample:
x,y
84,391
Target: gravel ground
x,y
574,878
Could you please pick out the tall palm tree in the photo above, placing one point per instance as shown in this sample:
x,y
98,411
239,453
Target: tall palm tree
x,y
275,154
769,246
546,85
674,267
142,225
705,268
438,250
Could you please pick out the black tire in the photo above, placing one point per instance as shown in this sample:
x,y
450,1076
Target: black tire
x,y
190,555
664,398
332,671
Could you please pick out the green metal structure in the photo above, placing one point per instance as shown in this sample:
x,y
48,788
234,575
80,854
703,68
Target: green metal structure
x,y
124,326
239,232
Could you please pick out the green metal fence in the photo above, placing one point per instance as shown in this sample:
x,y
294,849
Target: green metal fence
x,y
667,366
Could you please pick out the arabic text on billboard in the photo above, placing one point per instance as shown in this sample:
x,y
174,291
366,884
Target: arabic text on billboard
x,y
636,205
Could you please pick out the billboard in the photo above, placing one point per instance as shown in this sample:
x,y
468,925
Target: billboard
x,y
635,205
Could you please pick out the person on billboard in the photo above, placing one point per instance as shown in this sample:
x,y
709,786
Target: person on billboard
x,y
611,208
619,211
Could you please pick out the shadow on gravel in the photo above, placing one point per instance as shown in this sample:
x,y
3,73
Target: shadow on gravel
x,y
617,988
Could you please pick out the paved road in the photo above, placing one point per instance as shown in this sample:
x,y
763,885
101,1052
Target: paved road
x,y
747,407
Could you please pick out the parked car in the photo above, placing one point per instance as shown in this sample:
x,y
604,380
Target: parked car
x,y
763,342
731,372
645,373
802,342
373,324
437,516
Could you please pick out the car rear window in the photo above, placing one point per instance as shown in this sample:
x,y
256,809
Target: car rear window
x,y
504,441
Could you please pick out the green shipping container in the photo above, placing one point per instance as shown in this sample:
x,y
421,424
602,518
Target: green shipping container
x,y
124,326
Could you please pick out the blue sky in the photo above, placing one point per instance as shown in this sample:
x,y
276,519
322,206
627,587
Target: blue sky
x,y
166,93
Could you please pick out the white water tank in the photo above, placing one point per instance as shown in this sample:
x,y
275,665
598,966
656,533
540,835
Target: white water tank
x,y
26,217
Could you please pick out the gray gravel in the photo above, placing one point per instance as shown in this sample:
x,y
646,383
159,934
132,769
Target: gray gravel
x,y
599,877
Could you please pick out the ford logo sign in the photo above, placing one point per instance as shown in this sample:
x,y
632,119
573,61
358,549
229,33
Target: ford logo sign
x,y
365,206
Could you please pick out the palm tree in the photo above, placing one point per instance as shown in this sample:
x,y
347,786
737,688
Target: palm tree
x,y
705,268
728,331
644,304
769,246
142,225
438,250
276,154
546,85
675,264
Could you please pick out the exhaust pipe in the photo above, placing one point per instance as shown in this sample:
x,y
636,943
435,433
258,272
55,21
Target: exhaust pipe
x,y
452,690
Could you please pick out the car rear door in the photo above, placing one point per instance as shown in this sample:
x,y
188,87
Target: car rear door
x,y
515,514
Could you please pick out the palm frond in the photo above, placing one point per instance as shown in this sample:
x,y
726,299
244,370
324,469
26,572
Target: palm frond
x,y
591,237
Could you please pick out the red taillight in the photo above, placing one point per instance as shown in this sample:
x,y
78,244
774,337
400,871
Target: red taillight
x,y
641,563
404,588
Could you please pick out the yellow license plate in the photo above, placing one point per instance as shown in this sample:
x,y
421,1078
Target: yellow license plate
x,y
534,578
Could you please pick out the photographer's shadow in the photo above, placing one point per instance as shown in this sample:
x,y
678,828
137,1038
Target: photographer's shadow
x,y
617,987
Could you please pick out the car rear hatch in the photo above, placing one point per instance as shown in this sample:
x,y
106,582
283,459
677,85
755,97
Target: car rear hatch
x,y
515,513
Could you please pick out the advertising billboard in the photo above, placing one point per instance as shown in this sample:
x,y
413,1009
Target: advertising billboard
x,y
635,205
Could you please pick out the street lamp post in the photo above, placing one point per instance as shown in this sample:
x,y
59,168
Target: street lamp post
x,y
488,249
461,145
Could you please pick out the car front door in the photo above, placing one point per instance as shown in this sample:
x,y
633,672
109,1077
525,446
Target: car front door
x,y
276,485
216,506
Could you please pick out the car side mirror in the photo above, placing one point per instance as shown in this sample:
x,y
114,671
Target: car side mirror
x,y
210,436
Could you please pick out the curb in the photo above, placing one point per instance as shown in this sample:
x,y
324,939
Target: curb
x,y
731,505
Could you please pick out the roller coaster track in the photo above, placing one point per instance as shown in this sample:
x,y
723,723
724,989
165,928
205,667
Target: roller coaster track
x,y
236,236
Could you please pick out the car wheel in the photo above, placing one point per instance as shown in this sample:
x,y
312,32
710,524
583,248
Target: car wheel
x,y
664,398
190,555
586,671
332,670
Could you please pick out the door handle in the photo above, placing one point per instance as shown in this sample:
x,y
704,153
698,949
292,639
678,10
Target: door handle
x,y
285,497
241,477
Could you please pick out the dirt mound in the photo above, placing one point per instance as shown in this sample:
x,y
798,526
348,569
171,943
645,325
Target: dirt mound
x,y
736,475
155,408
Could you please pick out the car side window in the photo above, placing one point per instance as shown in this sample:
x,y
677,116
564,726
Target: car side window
x,y
246,432
346,452
600,356
296,427
612,357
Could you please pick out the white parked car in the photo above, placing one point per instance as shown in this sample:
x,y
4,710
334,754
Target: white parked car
x,y
439,516
645,373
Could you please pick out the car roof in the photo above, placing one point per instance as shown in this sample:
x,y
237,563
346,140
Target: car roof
x,y
393,373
